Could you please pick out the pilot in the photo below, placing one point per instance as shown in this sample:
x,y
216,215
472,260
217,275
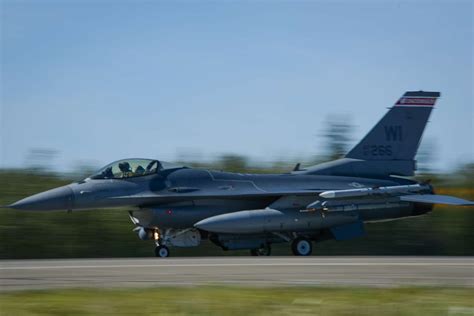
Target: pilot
x,y
125,168
107,173
139,171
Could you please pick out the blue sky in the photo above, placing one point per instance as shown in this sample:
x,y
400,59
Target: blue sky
x,y
103,80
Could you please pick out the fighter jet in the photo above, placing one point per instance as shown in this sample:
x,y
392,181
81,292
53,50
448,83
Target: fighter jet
x,y
177,206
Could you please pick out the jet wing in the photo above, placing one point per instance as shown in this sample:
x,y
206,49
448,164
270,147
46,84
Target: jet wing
x,y
151,198
436,199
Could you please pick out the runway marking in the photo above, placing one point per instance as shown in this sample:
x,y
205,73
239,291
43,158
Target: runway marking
x,y
309,264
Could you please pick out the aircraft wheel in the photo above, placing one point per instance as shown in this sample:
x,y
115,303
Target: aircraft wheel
x,y
162,252
264,251
301,247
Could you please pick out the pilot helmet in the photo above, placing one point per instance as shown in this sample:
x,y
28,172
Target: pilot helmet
x,y
124,166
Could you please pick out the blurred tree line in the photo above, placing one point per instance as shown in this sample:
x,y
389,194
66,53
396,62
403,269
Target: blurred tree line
x,y
100,233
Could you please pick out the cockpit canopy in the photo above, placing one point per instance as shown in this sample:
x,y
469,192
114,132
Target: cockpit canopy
x,y
131,168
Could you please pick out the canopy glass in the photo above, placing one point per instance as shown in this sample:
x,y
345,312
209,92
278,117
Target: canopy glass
x,y
130,168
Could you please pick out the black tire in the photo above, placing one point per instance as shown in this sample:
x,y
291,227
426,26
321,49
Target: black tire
x,y
162,252
301,247
264,251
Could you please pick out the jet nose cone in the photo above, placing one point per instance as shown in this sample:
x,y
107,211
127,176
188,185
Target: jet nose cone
x,y
56,199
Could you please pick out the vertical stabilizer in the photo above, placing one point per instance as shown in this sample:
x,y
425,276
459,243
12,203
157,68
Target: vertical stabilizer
x,y
391,145
397,135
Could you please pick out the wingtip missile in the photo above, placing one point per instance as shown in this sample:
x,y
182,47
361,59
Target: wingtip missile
x,y
389,190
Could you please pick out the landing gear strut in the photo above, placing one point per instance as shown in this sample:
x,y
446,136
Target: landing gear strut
x,y
162,251
301,247
264,251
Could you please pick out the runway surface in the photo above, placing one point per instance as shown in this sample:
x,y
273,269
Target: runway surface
x,y
253,271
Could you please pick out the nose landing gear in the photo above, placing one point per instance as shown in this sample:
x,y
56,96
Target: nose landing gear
x,y
161,251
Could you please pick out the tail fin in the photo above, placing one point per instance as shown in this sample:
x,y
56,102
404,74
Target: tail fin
x,y
397,135
390,147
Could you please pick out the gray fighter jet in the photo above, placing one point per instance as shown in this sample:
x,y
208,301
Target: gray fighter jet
x,y
179,206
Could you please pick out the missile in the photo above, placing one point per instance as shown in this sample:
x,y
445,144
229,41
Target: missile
x,y
339,206
389,190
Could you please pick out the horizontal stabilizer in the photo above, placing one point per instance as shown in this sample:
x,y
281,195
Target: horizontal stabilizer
x,y
436,199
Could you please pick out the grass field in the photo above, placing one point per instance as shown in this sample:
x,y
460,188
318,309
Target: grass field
x,y
241,301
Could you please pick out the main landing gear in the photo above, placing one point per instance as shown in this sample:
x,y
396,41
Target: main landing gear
x,y
162,251
301,247
264,251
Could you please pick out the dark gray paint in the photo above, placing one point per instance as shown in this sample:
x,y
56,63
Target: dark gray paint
x,y
244,210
